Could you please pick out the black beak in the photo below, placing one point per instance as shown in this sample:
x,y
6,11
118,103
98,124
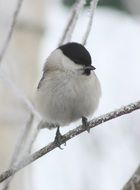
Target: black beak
x,y
90,67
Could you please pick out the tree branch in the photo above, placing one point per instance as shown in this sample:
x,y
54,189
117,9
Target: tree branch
x,y
66,37
13,23
21,141
69,135
19,148
134,181
93,6
2,53
19,93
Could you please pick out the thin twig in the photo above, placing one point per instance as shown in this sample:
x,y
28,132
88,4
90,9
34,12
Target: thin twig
x,y
24,144
21,141
19,148
71,134
10,32
66,37
23,147
134,182
19,93
2,53
93,6
31,139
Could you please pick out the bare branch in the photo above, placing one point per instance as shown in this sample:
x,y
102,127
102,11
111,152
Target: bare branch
x,y
21,141
66,37
69,135
92,12
19,148
31,139
23,146
13,23
134,181
2,53
18,92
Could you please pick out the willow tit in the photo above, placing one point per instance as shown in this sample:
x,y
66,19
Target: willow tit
x,y
69,88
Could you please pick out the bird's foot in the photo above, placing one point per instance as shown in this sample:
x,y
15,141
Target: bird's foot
x,y
85,124
58,138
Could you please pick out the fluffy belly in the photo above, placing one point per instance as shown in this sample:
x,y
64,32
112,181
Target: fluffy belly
x,y
68,103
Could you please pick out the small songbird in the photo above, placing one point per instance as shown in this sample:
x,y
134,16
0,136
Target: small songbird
x,y
69,88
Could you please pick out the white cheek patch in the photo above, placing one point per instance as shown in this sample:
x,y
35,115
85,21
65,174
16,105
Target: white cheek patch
x,y
60,61
68,64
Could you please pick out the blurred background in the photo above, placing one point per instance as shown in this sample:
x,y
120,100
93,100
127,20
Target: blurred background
x,y
107,157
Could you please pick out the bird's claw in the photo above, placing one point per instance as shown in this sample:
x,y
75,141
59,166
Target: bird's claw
x,y
85,124
58,138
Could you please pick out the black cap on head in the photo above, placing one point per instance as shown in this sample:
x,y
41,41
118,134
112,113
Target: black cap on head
x,y
77,53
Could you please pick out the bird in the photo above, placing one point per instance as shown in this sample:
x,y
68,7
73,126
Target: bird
x,y
69,89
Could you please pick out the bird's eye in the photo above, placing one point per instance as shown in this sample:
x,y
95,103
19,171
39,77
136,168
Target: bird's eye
x,y
87,71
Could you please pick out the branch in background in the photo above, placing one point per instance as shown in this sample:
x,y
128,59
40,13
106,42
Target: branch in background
x,y
10,32
66,37
21,140
71,134
26,139
134,182
93,6
23,146
18,92
2,54
24,133
19,148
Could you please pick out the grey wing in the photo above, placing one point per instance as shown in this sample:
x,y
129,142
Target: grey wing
x,y
45,69
40,82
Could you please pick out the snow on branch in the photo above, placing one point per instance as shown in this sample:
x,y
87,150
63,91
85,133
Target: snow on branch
x,y
69,135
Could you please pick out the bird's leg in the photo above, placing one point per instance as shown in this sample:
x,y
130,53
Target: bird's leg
x,y
58,137
85,123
